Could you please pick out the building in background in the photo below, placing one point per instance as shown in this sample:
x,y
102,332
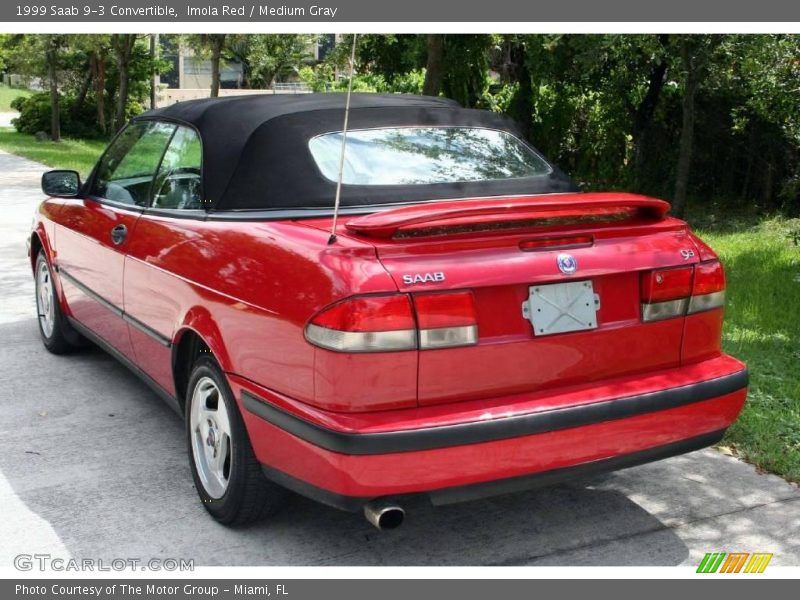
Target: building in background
x,y
190,75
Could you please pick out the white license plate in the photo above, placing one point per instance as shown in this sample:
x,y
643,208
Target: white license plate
x,y
561,307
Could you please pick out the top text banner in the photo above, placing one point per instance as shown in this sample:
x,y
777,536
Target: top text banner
x,y
340,11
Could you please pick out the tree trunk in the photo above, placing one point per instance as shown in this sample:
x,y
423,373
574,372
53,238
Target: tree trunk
x,y
752,150
643,118
217,42
686,144
246,71
52,72
97,66
153,73
521,108
434,72
80,99
123,47
769,181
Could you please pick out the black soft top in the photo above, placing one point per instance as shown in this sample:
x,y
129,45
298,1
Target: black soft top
x,y
256,154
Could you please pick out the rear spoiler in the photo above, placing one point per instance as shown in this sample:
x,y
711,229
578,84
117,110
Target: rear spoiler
x,y
495,210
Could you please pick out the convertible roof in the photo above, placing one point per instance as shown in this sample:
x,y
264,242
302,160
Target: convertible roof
x,y
256,155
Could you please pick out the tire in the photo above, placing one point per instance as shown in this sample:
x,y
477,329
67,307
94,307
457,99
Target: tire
x,y
57,334
226,474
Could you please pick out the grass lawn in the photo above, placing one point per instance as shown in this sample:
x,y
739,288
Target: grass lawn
x,y
7,94
79,155
762,328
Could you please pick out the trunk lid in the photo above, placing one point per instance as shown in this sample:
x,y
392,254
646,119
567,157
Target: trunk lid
x,y
511,253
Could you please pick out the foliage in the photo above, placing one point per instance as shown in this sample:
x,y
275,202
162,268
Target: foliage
x,y
77,122
274,57
591,113
79,85
3,50
609,109
264,58
320,79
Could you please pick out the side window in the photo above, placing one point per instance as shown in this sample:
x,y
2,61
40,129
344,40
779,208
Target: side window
x,y
125,173
178,183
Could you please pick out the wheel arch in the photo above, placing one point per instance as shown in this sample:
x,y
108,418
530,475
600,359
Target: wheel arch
x,y
197,335
39,241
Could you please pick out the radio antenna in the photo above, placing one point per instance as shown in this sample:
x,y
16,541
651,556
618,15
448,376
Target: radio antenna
x,y
332,239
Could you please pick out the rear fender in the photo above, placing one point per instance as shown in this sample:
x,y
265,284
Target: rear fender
x,y
199,320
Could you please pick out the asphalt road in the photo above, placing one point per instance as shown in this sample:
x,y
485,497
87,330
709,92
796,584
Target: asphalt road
x,y
93,465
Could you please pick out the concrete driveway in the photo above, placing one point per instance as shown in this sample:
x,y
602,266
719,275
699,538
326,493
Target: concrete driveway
x,y
93,465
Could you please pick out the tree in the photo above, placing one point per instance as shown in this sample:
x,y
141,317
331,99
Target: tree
x,y
122,44
212,47
97,67
645,110
767,72
4,38
695,55
515,69
216,42
466,68
434,68
53,44
95,52
271,57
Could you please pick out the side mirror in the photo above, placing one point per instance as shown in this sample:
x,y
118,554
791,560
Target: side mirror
x,y
62,184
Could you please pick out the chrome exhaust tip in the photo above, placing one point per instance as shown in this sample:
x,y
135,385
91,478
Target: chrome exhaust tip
x,y
384,515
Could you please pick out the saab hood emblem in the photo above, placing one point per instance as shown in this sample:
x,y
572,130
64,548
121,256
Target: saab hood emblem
x,y
567,263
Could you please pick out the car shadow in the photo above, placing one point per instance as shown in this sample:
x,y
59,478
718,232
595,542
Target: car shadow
x,y
100,462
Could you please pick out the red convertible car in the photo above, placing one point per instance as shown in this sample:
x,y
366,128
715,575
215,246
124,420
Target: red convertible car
x,y
471,325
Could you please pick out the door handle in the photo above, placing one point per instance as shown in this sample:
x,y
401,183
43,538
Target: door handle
x,y
118,234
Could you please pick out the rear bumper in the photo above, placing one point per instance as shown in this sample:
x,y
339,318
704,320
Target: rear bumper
x,y
473,449
498,487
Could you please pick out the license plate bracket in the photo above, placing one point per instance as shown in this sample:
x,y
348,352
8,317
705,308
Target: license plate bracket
x,y
561,307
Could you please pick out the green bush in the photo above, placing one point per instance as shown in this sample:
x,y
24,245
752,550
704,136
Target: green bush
x,y
35,116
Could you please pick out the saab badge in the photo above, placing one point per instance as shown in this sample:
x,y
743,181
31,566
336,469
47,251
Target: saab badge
x,y
567,264
414,278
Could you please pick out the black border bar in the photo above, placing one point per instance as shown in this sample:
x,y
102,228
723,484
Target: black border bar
x,y
417,11
496,429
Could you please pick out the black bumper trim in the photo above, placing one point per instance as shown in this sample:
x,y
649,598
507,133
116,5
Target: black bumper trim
x,y
500,487
146,329
477,432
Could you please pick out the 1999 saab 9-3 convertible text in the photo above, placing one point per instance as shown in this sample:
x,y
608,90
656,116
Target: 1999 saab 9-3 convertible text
x,y
470,325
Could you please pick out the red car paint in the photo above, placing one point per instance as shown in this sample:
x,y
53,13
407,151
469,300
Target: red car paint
x,y
249,288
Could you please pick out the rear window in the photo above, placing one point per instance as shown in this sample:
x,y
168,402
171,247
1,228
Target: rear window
x,y
425,155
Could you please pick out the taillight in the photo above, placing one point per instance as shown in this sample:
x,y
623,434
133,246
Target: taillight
x,y
446,320
365,324
666,284
391,323
668,293
665,293
708,290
